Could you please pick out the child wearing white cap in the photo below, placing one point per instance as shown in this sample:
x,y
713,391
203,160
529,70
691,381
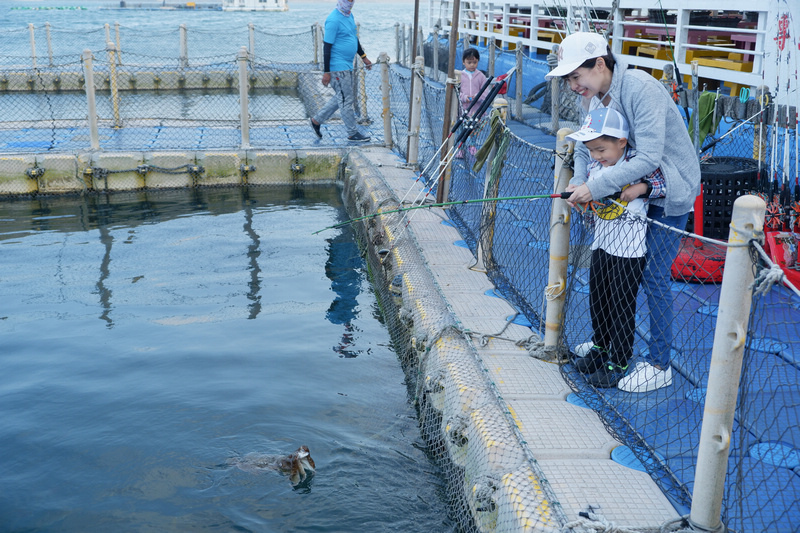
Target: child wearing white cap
x,y
602,79
618,249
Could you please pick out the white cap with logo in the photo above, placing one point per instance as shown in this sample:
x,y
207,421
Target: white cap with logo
x,y
603,121
575,49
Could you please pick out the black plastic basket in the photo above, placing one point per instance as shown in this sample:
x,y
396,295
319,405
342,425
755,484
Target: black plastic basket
x,y
724,180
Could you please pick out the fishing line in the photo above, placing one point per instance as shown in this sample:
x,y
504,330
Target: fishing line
x,y
563,196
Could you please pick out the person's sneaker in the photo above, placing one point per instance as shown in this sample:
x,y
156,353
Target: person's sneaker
x,y
358,137
645,378
590,363
607,376
582,349
316,128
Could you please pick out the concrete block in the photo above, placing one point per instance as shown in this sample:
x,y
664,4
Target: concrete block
x,y
220,168
13,179
18,81
318,165
169,79
156,179
118,181
271,168
60,174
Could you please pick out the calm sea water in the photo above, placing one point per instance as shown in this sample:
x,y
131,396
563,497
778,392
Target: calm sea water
x,y
211,33
150,339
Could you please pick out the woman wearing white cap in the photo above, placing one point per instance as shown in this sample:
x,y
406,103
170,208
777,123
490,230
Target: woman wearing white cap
x,y
661,139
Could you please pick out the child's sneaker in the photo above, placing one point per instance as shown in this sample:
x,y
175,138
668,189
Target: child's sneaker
x,y
590,363
607,376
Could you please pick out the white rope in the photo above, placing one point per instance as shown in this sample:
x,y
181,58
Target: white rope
x,y
680,232
767,277
595,522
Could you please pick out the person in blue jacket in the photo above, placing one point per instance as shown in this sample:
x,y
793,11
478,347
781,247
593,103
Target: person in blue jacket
x,y
339,49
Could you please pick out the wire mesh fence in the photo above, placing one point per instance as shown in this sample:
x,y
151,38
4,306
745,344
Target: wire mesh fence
x,y
138,106
661,427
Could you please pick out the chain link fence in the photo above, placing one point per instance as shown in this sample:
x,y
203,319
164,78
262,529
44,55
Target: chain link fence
x,y
151,96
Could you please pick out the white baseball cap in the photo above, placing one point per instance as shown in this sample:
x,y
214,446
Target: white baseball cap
x,y
603,121
575,49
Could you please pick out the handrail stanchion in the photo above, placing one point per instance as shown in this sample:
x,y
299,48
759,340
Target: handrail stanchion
x,y
88,76
416,112
559,246
31,30
730,335
184,60
518,95
244,113
397,49
119,46
555,92
112,82
251,30
386,89
49,43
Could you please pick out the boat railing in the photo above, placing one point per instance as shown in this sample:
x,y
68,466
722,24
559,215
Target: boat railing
x,y
730,47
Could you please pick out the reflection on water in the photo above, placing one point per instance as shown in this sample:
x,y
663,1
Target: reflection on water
x,y
151,338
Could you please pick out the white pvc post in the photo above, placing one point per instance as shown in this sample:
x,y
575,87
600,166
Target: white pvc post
x,y
243,98
251,29
112,82
317,44
518,96
107,28
747,222
416,112
403,49
184,47
386,88
31,30
410,45
119,46
49,43
88,75
555,96
559,245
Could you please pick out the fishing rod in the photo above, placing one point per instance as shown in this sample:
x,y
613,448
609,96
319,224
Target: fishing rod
x,y
457,125
470,124
562,196
469,127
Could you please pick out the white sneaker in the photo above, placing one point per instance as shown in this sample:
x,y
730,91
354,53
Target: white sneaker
x,y
582,349
645,378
